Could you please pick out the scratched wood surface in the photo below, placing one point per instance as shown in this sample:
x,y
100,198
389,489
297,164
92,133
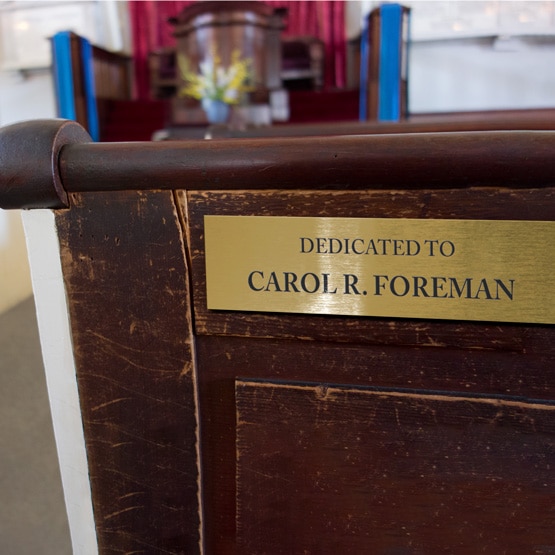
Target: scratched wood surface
x,y
240,433
485,203
126,281
331,470
223,359
513,361
146,345
134,268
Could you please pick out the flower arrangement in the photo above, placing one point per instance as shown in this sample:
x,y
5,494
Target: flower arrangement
x,y
215,81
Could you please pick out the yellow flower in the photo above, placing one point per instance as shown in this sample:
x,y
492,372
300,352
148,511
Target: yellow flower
x,y
215,81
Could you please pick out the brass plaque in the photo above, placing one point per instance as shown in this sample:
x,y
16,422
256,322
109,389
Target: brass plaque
x,y
487,270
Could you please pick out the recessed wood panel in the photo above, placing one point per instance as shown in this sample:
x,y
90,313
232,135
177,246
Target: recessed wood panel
x,y
327,470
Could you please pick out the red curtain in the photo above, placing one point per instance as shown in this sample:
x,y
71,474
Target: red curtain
x,y
324,19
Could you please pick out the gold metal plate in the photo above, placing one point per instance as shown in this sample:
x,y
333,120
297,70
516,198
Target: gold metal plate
x,y
487,270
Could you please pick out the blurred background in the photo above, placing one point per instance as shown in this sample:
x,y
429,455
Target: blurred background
x,y
455,57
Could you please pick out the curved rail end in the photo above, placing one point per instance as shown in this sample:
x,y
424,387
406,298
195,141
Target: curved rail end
x,y
29,155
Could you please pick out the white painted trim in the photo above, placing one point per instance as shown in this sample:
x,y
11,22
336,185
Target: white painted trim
x,y
53,321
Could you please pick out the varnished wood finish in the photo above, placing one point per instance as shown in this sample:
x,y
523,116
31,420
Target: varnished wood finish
x,y
426,369
412,161
29,155
136,379
358,470
205,30
78,76
486,203
265,433
112,79
501,120
112,74
515,159
481,359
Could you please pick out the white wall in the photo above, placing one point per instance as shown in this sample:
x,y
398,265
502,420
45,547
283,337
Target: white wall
x,y
15,280
27,96
475,55
21,98
482,74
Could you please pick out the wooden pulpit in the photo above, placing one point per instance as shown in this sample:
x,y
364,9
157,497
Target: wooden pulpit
x,y
217,31
262,368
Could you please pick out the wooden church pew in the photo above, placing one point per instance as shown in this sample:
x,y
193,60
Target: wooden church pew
x,y
291,416
493,120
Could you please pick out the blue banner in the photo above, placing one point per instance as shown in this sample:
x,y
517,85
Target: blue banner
x,y
63,75
389,87
89,89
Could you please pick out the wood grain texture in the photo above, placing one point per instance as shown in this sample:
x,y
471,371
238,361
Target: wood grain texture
x,y
517,159
508,120
484,203
127,287
326,470
312,434
442,370
465,357
29,153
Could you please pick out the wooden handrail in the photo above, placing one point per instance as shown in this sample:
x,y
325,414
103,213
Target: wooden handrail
x,y
47,158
